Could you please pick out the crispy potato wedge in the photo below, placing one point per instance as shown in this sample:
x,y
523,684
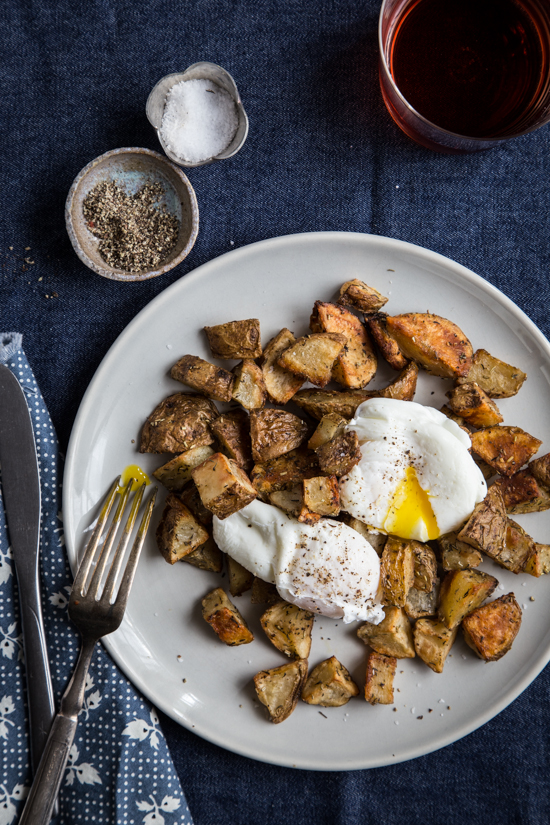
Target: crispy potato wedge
x,y
461,592
249,387
313,356
177,472
472,404
386,343
274,433
284,471
456,554
289,501
224,618
206,557
490,630
263,592
178,423
223,486
232,429
521,493
204,377
329,685
435,343
396,571
240,579
425,566
338,456
421,603
379,682
279,383
517,549
328,427
392,637
322,495
540,467
356,364
178,532
485,529
236,339
280,687
288,628
496,378
538,563
506,449
357,294
433,642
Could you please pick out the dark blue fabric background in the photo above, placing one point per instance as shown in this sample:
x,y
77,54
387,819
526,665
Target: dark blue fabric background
x,y
322,154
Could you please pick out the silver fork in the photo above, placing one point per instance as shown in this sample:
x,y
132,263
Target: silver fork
x,y
95,615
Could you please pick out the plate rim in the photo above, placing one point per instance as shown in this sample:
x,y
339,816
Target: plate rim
x,y
442,739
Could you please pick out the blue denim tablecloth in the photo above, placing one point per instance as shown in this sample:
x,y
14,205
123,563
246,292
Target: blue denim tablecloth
x,y
322,154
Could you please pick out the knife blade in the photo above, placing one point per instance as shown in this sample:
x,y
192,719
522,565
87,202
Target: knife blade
x,y
21,492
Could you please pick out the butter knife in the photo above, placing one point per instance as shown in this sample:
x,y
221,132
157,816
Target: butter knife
x,y
21,492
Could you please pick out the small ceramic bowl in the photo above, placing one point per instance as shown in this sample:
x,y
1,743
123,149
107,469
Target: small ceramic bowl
x,y
131,169
154,108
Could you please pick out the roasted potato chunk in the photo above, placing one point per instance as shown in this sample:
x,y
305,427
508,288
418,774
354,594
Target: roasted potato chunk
x,y
490,630
356,365
206,557
328,427
249,387
461,592
204,377
357,294
322,495
177,472
232,429
379,682
279,383
521,493
496,378
285,471
289,501
396,571
517,549
486,527
319,403
456,554
329,685
313,356
288,628
425,566
279,688
178,423
432,642
178,532
191,498
263,592
506,449
421,603
472,404
307,516
540,467
274,433
435,343
224,618
240,580
338,456
236,339
538,563
386,344
223,486
392,637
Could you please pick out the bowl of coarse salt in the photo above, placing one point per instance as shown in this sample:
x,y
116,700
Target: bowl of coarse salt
x,y
198,115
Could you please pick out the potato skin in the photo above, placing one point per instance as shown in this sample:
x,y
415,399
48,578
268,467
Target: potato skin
x,y
435,343
491,630
201,376
474,405
274,433
282,472
280,687
495,377
235,339
339,456
178,423
379,682
178,532
359,295
485,529
520,490
232,429
387,345
461,592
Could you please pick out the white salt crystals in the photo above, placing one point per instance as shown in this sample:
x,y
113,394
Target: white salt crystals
x,y
199,120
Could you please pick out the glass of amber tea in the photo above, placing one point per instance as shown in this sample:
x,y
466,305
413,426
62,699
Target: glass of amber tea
x,y
464,75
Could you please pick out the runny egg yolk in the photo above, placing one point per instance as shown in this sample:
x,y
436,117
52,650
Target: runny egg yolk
x,y
410,505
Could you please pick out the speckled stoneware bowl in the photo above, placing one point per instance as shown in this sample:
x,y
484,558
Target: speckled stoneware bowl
x,y
131,169
154,108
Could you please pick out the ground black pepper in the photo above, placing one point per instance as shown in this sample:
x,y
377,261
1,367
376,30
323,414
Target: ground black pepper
x,y
136,233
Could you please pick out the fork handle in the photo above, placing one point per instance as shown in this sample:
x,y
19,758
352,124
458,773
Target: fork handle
x,y
47,780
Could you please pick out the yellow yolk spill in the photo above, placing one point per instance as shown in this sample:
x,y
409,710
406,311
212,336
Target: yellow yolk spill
x,y
135,472
410,505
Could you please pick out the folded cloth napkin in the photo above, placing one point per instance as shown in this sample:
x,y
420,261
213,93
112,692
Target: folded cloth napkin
x,y
119,769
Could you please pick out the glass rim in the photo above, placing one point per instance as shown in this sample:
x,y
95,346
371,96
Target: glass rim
x,y
430,123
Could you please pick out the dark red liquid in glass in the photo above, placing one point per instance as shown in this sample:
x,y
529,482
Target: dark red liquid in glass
x,y
473,67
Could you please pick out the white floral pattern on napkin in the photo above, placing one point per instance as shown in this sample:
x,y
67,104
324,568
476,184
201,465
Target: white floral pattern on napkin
x,y
119,770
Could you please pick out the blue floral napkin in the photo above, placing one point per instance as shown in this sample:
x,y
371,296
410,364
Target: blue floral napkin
x,y
119,770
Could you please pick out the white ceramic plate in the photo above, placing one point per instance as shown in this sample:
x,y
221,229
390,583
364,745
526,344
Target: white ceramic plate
x,y
164,646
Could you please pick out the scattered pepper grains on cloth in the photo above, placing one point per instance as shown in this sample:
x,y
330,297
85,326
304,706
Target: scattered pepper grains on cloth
x,y
136,233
